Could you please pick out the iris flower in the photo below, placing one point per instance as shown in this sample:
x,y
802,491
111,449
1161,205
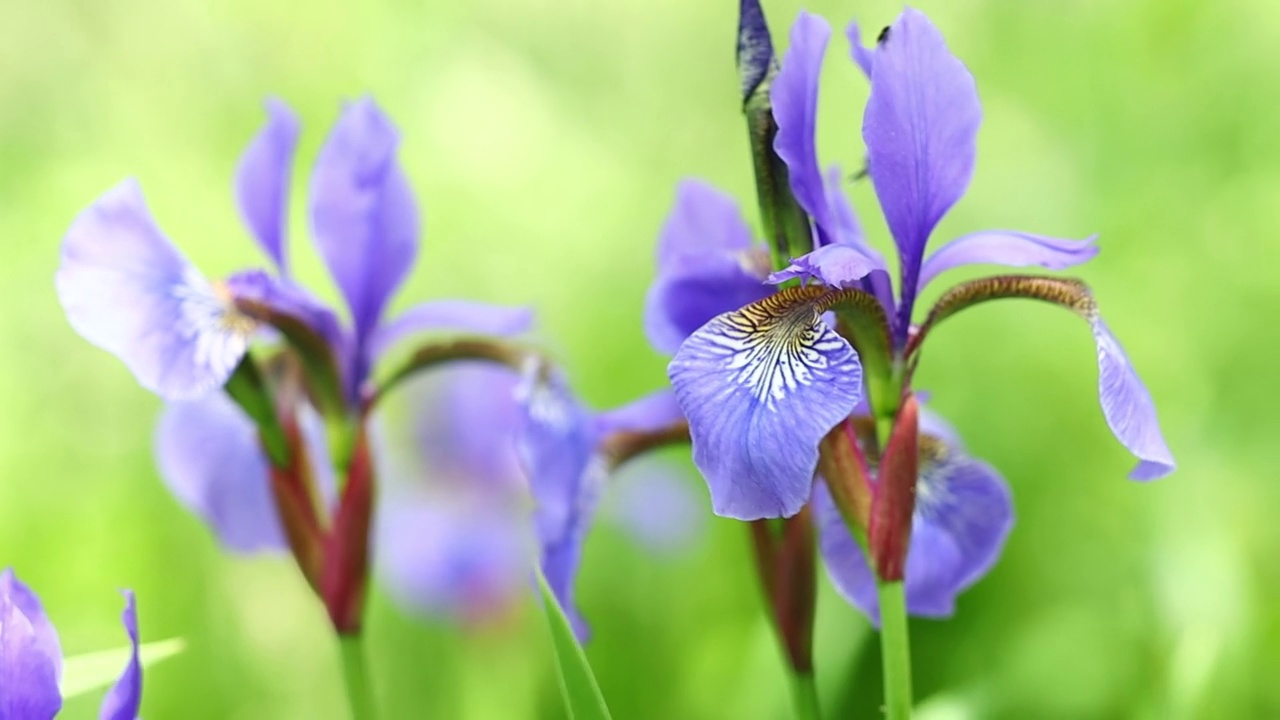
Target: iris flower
x,y
764,375
31,659
263,463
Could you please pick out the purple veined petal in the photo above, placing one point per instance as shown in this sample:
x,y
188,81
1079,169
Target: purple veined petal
x,y
465,557
964,513
649,413
838,266
30,658
760,387
794,95
651,499
702,221
1009,248
862,55
128,290
210,458
683,298
557,445
124,699
1128,407
262,181
847,229
453,316
363,213
465,423
920,128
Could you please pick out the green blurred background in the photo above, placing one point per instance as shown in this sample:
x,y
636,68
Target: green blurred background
x,y
545,138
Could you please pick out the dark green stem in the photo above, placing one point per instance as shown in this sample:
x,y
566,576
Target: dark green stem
x,y
895,650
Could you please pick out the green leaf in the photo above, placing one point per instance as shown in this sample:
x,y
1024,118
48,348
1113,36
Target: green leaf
x,y
95,670
577,683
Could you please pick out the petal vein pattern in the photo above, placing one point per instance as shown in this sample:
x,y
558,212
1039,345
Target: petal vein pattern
x,y
760,387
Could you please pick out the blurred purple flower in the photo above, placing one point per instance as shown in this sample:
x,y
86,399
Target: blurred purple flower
x,y
31,659
763,382
127,288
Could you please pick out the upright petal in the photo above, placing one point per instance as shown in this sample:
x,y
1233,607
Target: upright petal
x,y
1010,248
125,697
128,290
794,95
1128,407
460,316
209,456
262,181
706,266
460,555
760,387
30,659
363,213
963,514
862,55
920,127
557,444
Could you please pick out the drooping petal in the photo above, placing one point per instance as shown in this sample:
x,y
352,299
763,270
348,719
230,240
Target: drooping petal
x,y
128,290
651,412
760,387
1010,248
1128,407
363,214
30,658
210,457
920,128
125,697
963,514
463,316
557,445
794,96
262,181
838,266
458,555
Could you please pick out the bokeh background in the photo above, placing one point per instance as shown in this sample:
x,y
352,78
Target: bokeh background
x,y
544,139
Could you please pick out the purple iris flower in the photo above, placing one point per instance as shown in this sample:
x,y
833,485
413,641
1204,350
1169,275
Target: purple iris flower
x,y
31,659
762,385
963,514
127,288
504,471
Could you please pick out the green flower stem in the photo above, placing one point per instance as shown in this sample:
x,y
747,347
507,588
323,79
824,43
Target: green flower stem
x,y
804,693
895,650
355,675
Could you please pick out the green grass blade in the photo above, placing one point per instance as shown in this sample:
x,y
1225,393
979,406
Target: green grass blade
x,y
96,670
578,684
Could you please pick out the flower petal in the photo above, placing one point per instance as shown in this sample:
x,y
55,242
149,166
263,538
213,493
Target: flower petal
x,y
209,456
963,514
794,95
681,300
1010,248
1128,407
461,556
920,128
838,266
30,658
653,501
755,47
862,55
453,316
363,214
465,424
761,386
126,289
557,445
125,697
702,221
262,181
288,298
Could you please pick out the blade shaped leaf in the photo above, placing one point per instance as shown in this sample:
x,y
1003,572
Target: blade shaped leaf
x,y
97,670
582,696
